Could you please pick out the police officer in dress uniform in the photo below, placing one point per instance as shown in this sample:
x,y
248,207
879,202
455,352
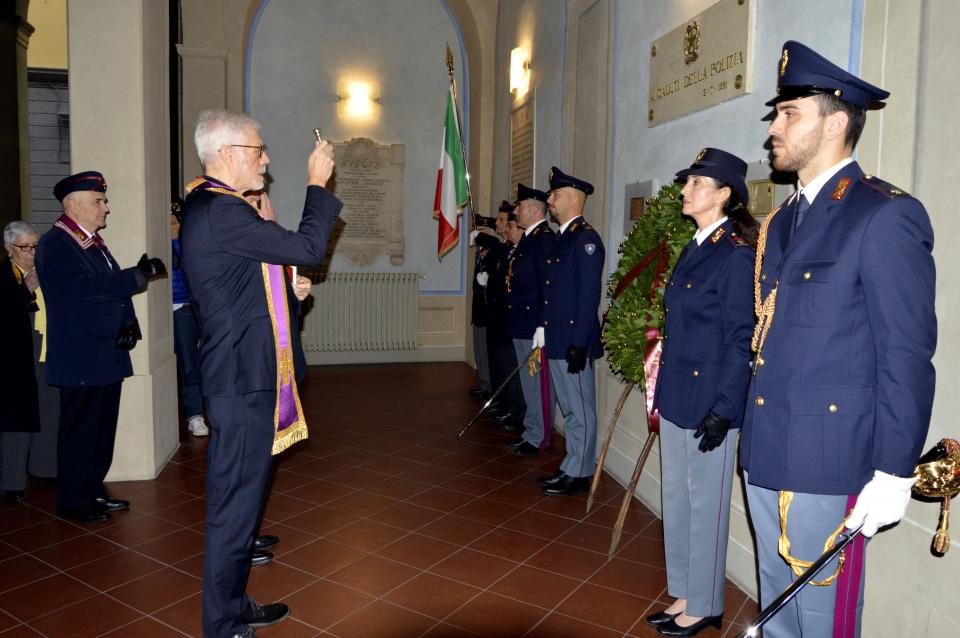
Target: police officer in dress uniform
x,y
525,296
701,387
248,345
509,407
840,400
91,329
479,312
569,316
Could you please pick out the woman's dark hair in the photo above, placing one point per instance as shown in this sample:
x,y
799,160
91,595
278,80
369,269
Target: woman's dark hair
x,y
743,222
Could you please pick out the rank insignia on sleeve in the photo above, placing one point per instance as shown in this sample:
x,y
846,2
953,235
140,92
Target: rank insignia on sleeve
x,y
717,235
590,248
841,188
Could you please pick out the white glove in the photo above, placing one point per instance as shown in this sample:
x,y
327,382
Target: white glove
x,y
473,238
539,338
882,501
483,278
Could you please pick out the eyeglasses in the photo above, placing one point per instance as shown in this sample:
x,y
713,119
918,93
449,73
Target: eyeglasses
x,y
260,148
27,248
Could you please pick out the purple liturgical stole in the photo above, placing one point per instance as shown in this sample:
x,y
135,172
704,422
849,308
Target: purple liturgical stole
x,y
289,424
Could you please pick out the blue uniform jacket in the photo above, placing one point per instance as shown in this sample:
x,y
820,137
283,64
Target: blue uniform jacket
x,y
705,364
525,275
87,302
844,383
573,283
223,242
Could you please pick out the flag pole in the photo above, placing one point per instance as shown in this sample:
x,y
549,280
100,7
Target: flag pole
x,y
463,153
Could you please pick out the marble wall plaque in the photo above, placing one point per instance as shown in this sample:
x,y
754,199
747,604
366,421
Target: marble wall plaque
x,y
521,145
705,61
369,182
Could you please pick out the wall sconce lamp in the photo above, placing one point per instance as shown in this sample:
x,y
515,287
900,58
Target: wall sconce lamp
x,y
358,100
519,70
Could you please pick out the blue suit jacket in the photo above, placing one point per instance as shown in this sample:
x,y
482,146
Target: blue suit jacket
x,y
573,283
526,273
223,242
844,383
705,364
87,303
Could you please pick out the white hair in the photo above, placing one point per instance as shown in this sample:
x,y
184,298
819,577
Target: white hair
x,y
216,129
17,229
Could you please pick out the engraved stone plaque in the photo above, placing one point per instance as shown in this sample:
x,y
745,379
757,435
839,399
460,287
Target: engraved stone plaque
x,y
369,182
705,61
521,144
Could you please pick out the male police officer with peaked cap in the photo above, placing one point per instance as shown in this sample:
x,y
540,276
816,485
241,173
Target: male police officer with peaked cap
x,y
569,317
525,294
840,401
91,328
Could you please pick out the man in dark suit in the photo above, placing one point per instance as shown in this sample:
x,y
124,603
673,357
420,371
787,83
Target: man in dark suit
x,y
525,295
570,320
840,401
91,329
250,355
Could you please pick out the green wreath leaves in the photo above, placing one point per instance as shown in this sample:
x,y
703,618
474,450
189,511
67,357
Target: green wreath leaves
x,y
636,309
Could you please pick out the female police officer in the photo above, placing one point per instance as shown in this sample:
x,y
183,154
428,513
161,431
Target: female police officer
x,y
701,387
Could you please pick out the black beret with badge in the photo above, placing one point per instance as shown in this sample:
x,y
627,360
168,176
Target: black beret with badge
x,y
559,179
804,72
85,181
506,207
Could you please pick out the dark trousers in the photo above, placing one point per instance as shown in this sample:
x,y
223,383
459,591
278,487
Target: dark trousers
x,y
239,462
186,336
88,429
503,360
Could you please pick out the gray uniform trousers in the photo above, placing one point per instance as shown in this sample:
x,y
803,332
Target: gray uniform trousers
x,y
695,488
577,396
34,450
483,359
533,424
811,520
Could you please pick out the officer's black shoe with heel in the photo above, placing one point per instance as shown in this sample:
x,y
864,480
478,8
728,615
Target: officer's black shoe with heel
x,y
568,485
553,479
671,628
660,618
257,615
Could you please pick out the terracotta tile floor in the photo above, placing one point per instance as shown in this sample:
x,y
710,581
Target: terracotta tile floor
x,y
389,527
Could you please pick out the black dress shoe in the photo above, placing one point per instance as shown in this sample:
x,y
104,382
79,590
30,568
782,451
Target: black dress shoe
x,y
110,504
527,450
257,615
480,393
15,496
84,516
513,426
547,481
660,618
496,410
671,628
266,541
568,485
260,557
513,445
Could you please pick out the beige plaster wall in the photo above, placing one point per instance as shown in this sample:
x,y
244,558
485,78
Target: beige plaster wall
x,y
48,44
121,129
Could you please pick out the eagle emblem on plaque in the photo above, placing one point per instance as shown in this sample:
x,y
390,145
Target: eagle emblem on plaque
x,y
691,43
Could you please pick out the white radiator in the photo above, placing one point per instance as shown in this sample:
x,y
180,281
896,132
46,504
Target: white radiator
x,y
361,312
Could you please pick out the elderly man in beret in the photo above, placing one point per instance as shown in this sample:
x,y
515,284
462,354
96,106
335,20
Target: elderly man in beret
x,y
91,328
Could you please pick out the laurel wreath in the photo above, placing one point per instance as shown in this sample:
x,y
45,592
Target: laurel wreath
x,y
638,308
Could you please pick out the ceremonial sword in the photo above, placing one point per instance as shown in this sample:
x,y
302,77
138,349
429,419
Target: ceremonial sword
x,y
498,391
790,592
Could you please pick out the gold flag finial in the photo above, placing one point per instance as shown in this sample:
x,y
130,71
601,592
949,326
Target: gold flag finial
x,y
450,62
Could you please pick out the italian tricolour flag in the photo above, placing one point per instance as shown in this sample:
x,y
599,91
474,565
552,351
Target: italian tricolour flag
x,y
452,190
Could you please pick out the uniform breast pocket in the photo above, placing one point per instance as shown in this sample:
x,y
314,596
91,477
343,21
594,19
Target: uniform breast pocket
x,y
810,294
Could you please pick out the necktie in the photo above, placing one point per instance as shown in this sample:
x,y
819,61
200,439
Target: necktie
x,y
802,207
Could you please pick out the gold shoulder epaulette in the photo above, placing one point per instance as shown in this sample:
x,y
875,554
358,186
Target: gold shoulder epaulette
x,y
885,188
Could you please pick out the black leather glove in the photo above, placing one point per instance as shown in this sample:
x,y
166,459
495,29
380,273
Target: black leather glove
x,y
128,336
151,267
576,359
713,429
